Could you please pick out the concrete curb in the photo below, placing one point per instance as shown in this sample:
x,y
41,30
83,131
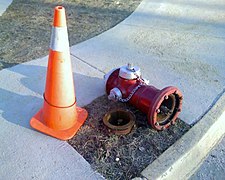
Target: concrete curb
x,y
184,157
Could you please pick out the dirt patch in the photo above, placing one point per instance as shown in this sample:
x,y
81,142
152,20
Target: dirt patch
x,y
122,156
25,27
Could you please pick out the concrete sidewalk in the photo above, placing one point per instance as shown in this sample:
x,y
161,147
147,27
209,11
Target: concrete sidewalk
x,y
4,5
178,43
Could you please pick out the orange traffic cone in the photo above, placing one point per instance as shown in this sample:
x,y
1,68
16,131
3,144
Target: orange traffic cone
x,y
59,116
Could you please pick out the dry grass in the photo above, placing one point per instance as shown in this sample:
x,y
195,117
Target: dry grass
x,y
124,156
25,28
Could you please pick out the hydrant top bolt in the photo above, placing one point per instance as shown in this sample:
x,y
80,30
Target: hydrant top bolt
x,y
130,66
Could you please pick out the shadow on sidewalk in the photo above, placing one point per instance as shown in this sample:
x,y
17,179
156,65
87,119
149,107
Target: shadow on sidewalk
x,y
17,108
19,103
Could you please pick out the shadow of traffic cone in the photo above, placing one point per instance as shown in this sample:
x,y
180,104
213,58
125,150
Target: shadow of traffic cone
x,y
59,116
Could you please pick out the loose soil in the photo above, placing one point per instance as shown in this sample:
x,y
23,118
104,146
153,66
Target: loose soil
x,y
25,27
122,156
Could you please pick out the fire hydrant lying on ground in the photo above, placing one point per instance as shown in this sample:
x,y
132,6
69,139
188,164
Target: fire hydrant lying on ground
x,y
162,107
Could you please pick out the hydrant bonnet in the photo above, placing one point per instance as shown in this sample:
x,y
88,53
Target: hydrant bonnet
x,y
129,72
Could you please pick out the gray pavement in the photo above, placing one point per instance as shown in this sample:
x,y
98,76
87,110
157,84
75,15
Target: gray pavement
x,y
176,42
3,5
213,166
27,154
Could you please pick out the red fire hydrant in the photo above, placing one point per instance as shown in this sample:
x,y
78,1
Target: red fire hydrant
x,y
162,107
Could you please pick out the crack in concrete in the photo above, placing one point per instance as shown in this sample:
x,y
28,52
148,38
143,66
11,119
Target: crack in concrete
x,y
210,107
88,64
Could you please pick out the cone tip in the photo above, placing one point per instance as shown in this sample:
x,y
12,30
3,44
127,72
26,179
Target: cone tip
x,y
59,17
59,8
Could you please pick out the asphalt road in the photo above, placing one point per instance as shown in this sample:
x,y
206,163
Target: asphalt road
x,y
214,165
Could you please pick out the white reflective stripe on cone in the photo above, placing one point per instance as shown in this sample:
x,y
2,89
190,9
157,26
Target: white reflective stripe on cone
x,y
59,39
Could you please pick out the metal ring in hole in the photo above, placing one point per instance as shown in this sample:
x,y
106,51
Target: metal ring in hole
x,y
119,121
